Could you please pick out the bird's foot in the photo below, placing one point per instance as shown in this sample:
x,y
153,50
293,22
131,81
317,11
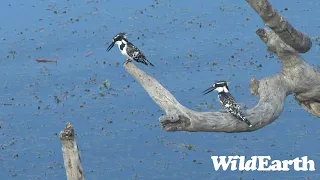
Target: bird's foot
x,y
127,61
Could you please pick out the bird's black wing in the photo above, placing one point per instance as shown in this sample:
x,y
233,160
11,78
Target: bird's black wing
x,y
137,55
230,104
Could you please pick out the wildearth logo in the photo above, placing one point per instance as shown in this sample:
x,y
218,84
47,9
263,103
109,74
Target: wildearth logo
x,y
261,163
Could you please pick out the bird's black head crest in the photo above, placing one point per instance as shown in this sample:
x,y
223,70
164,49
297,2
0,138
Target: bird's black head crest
x,y
119,37
221,84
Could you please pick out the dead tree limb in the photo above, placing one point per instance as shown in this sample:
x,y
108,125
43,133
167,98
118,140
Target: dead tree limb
x,y
296,77
271,18
71,157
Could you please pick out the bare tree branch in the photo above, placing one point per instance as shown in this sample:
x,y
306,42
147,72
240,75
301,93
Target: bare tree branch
x,y
296,39
296,77
300,77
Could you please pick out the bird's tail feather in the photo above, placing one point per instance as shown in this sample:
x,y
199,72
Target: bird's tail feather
x,y
151,64
147,62
244,119
248,122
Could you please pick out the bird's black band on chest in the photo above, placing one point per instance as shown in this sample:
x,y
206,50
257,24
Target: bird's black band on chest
x,y
122,46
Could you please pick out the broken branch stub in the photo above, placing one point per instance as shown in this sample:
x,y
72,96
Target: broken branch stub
x,y
71,157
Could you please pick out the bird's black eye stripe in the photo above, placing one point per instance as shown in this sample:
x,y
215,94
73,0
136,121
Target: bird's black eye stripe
x,y
119,37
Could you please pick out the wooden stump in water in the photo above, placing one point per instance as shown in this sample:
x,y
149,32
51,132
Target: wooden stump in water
x,y
71,157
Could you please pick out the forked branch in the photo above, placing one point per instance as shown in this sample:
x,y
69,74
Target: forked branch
x,y
296,77
271,18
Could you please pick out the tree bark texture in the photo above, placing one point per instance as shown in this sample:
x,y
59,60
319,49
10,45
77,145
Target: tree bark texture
x,y
71,157
296,77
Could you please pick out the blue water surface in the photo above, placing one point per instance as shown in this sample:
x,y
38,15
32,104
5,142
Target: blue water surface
x,y
191,43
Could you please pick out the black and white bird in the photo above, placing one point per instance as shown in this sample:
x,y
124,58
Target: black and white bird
x,y
127,49
227,100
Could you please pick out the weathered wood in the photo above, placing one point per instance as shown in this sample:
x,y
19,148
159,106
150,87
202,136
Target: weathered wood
x,y
71,157
297,77
302,79
271,18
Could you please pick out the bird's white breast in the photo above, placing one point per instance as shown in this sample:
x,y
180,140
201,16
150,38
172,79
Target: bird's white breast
x,y
222,89
124,50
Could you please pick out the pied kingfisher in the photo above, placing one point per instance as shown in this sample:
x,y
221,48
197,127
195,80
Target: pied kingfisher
x,y
128,49
227,101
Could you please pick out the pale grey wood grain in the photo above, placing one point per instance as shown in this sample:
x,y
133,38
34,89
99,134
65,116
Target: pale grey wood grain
x,y
71,157
296,77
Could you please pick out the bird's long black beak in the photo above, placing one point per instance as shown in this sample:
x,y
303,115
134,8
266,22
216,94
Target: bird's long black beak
x,y
210,89
111,46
